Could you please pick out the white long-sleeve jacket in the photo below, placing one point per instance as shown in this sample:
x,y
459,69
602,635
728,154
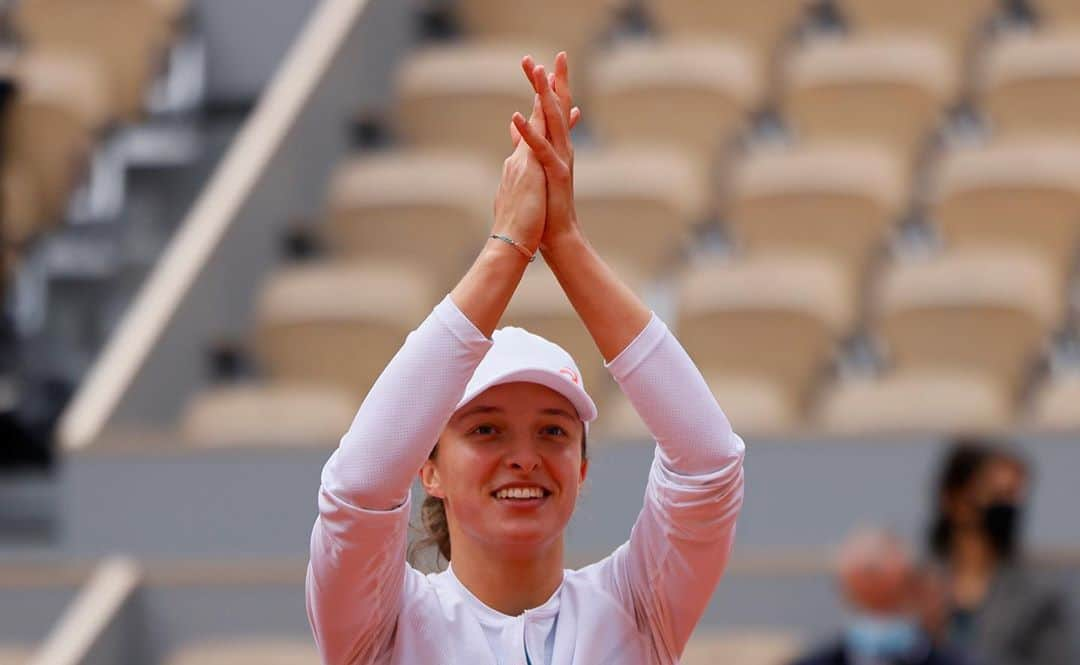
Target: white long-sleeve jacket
x,y
637,606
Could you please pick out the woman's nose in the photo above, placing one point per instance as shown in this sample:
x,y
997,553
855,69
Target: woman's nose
x,y
523,456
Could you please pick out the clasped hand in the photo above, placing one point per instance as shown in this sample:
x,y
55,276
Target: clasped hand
x,y
535,201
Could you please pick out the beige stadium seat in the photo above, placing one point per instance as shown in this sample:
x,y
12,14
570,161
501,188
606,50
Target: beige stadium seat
x,y
434,208
771,318
1057,403
638,204
247,651
540,306
23,209
982,311
338,324
50,126
889,91
125,38
567,24
761,647
836,199
277,414
1031,84
694,96
1058,13
758,26
1021,193
917,401
462,96
755,407
953,22
13,654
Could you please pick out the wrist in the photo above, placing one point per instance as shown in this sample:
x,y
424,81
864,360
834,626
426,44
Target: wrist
x,y
565,245
503,252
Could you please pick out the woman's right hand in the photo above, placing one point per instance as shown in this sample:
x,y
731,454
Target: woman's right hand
x,y
521,202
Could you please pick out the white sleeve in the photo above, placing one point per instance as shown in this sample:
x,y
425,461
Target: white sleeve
x,y
680,544
357,573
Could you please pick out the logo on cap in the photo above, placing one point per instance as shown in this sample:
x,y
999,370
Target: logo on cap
x,y
570,374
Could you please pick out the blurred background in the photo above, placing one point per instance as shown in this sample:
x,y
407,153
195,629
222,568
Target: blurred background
x,y
221,217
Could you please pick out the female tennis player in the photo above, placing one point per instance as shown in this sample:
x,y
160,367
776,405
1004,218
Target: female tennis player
x,y
495,423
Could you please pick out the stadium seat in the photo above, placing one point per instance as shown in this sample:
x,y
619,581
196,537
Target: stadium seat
x,y
761,647
1056,403
953,23
11,654
432,208
540,306
638,204
50,125
23,210
462,97
1057,13
1031,84
338,324
754,406
889,91
638,88
247,651
126,39
567,24
238,415
836,199
983,311
1014,193
917,401
758,27
768,318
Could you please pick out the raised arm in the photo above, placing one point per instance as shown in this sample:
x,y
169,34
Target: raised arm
x,y
357,574
682,539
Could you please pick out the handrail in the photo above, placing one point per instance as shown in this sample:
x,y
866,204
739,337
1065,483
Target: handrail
x,y
71,641
202,230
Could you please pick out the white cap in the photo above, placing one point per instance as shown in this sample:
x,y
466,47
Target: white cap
x,y
519,355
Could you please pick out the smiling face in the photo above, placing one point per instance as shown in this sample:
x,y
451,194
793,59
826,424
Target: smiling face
x,y
508,467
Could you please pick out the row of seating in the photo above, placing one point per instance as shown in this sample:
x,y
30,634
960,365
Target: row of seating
x,y
764,330
888,90
82,67
759,29
842,201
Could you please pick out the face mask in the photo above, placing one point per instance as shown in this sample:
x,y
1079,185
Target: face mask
x,y
882,637
1001,522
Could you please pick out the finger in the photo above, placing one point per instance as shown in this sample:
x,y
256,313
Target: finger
x,y
536,118
541,147
562,80
515,136
575,115
553,114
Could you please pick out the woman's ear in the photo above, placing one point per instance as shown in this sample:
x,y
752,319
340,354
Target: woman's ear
x,y
429,478
584,470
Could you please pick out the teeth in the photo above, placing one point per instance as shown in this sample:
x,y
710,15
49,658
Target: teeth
x,y
520,493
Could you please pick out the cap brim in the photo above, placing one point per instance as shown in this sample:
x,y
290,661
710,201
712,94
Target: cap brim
x,y
584,404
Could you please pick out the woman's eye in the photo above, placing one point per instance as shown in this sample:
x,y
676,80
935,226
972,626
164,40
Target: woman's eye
x,y
554,430
484,430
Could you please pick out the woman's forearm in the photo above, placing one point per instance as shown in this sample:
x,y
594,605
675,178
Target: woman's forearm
x,y
484,292
610,310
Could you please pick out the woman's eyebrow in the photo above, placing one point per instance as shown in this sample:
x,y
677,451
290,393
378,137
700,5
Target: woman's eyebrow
x,y
477,409
558,412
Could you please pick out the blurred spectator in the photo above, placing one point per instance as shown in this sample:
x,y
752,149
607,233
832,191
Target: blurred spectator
x,y
993,605
882,589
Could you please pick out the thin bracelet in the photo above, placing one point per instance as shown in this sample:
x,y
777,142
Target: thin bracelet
x,y
516,245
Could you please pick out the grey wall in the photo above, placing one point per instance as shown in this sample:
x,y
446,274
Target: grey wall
x,y
246,41
801,495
